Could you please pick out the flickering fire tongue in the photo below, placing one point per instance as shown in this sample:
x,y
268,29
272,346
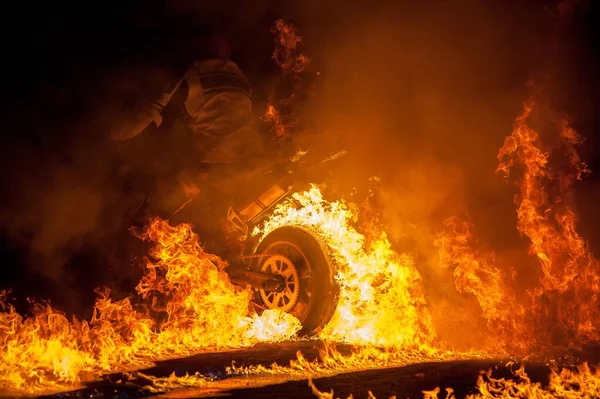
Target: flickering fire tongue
x,y
570,274
564,302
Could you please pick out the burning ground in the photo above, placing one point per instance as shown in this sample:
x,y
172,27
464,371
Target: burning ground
x,y
466,300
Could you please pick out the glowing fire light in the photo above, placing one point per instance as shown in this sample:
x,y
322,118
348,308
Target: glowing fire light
x,y
570,274
381,302
186,304
477,274
201,309
561,312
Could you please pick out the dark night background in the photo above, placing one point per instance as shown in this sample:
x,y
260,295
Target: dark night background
x,y
423,94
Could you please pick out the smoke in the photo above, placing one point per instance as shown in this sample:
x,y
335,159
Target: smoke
x,y
423,96
410,90
69,193
65,197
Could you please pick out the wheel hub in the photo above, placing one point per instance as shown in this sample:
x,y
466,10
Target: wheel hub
x,y
287,298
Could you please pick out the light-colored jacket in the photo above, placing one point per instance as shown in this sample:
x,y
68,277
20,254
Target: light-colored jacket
x,y
218,112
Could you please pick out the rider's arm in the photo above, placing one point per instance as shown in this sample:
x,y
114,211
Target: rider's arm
x,y
143,119
147,114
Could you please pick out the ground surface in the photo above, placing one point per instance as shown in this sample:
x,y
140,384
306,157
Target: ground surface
x,y
404,382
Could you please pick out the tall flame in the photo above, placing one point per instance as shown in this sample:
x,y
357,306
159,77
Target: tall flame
x,y
561,311
570,282
548,222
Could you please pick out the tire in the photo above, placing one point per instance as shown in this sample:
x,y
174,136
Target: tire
x,y
317,291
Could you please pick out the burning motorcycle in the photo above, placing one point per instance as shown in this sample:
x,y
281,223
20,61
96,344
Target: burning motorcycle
x,y
288,269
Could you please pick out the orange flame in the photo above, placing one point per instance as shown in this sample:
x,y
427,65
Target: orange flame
x,y
288,56
186,304
184,287
477,274
381,301
562,311
570,274
287,47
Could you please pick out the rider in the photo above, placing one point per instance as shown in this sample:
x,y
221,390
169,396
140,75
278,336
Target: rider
x,y
216,101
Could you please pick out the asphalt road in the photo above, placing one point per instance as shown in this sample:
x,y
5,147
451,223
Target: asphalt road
x,y
404,382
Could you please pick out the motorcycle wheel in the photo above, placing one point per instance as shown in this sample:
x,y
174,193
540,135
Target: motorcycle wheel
x,y
311,292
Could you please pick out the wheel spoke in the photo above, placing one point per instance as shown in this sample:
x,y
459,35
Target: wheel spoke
x,y
307,290
286,299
